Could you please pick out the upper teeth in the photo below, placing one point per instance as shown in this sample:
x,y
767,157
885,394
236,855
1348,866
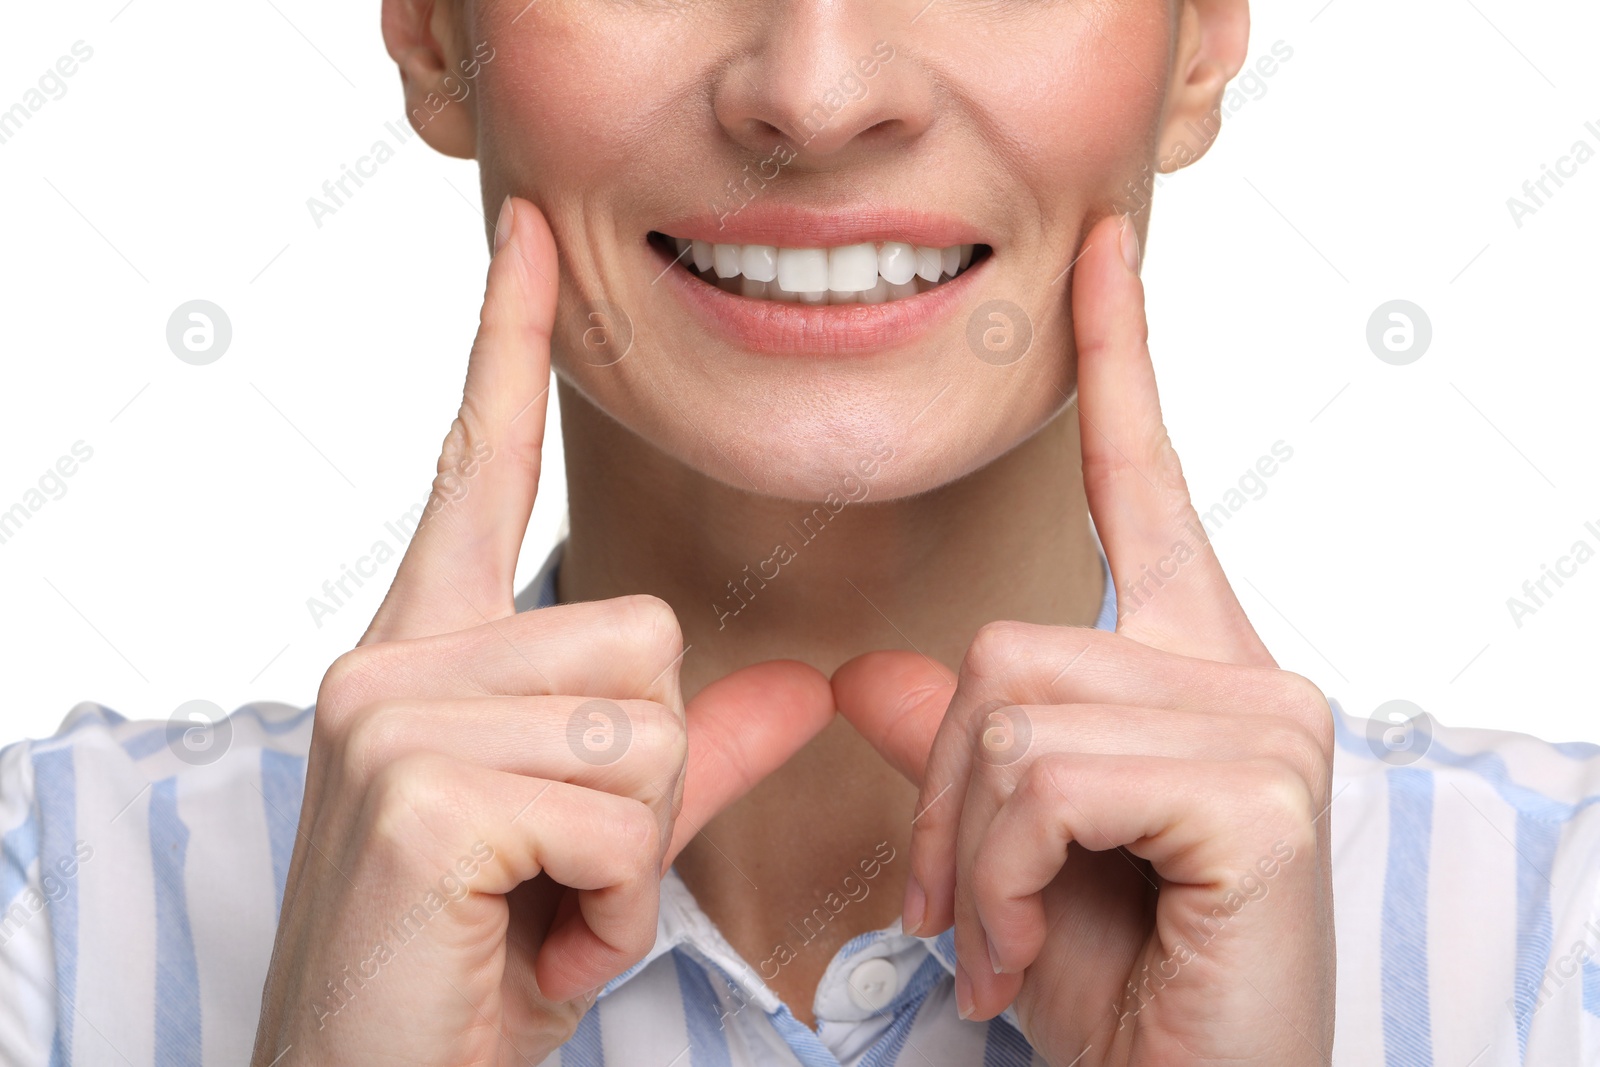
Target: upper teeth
x,y
866,273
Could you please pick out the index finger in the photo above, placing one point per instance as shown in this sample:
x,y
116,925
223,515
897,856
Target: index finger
x,y
459,568
1171,591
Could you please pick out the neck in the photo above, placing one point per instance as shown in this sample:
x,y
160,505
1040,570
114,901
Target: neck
x,y
754,578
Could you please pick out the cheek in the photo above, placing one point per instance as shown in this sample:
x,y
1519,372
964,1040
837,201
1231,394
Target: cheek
x,y
1079,109
578,102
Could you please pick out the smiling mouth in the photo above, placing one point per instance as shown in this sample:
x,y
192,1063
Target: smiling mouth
x,y
879,272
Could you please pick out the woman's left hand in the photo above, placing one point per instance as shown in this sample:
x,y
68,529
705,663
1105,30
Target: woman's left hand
x,y
1128,830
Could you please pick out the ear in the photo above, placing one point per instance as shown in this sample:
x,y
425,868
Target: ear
x,y
422,39
1213,36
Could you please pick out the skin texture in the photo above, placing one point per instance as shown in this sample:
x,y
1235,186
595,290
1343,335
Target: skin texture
x,y
1162,764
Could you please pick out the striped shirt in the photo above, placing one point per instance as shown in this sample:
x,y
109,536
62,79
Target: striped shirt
x,y
140,890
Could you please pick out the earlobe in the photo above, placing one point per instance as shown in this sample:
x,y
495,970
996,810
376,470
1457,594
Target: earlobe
x,y
1213,36
436,82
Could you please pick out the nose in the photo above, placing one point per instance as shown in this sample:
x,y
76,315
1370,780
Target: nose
x,y
827,77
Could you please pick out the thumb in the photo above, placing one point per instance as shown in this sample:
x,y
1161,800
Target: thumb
x,y
896,700
742,728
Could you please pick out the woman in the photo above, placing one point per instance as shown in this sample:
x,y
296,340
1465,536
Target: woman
x,y
830,734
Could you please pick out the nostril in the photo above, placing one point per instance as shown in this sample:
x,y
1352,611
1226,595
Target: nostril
x,y
764,132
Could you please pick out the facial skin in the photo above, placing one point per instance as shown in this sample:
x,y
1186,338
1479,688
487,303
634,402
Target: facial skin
x,y
1025,120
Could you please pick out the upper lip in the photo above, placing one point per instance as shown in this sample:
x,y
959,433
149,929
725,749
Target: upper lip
x,y
762,222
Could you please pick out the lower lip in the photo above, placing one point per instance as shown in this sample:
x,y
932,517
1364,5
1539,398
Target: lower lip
x,y
780,328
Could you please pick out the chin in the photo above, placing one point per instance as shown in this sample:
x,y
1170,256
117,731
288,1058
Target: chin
x,y
881,454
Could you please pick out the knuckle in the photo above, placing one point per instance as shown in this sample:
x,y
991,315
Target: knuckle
x,y
1049,785
469,445
390,811
660,736
1002,736
1043,783
552,1027
1306,701
1169,469
1293,744
372,738
996,648
639,832
350,681
400,785
650,623
1281,797
405,800
464,439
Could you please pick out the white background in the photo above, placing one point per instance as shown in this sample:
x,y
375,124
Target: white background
x,y
1375,165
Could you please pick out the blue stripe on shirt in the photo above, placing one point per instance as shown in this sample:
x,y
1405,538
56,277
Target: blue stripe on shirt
x,y
147,743
18,849
282,785
1004,1046
1591,988
55,784
886,1051
708,1042
1536,852
801,1039
1407,1027
177,1037
584,1048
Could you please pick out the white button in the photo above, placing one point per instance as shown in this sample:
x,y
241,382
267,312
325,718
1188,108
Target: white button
x,y
874,984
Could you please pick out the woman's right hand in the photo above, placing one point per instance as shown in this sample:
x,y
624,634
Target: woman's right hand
x,y
491,797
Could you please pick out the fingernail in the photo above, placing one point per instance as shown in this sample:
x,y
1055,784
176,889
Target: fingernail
x,y
1130,244
964,1005
502,225
915,907
994,955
